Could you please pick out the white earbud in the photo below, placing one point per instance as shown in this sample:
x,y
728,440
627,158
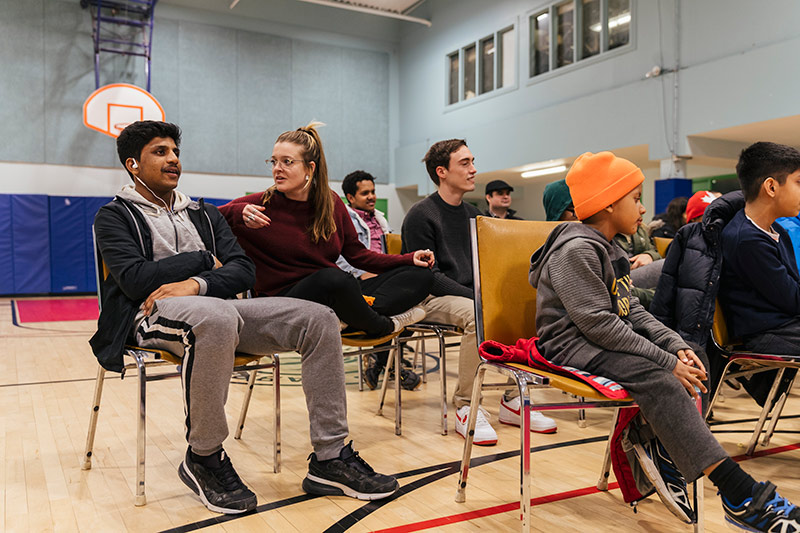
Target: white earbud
x,y
306,178
134,165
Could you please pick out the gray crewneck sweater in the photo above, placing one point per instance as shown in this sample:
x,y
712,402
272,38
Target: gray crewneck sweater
x,y
584,304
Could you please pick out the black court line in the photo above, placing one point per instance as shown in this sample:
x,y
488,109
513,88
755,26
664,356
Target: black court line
x,y
440,471
743,420
76,380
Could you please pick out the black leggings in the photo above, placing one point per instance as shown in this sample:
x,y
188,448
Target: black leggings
x,y
395,291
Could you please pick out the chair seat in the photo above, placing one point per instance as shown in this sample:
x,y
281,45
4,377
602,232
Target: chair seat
x,y
359,339
572,386
241,359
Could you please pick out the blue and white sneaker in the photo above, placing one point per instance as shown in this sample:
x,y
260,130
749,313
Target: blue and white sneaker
x,y
668,481
764,511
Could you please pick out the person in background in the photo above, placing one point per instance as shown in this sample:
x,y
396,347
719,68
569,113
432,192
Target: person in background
x,y
587,318
498,196
673,219
440,222
760,285
642,253
371,226
697,205
557,202
175,270
296,230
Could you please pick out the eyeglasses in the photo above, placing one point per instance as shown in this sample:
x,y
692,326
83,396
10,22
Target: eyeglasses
x,y
285,162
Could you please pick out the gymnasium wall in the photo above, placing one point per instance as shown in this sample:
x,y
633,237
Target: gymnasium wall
x,y
736,60
232,90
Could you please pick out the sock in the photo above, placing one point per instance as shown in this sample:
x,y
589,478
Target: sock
x,y
209,461
733,483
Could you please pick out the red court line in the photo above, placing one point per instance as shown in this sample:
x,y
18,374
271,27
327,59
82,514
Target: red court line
x,y
488,511
56,310
506,507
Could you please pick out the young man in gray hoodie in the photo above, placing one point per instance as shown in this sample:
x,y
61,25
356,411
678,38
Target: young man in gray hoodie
x,y
175,270
587,318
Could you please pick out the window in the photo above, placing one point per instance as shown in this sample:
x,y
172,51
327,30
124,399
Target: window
x,y
590,28
482,67
487,65
452,60
507,58
540,43
566,33
469,72
619,23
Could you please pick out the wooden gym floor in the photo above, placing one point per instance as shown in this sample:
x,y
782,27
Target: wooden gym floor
x,y
46,383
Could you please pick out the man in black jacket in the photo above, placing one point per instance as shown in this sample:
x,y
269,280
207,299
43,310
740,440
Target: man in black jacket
x,y
175,269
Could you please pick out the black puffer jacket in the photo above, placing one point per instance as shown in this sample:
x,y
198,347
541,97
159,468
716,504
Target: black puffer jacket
x,y
684,299
126,245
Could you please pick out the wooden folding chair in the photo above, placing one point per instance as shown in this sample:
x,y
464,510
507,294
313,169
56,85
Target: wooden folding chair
x,y
662,243
145,358
505,311
751,363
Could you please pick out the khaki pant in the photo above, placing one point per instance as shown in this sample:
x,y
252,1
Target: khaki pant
x,y
460,311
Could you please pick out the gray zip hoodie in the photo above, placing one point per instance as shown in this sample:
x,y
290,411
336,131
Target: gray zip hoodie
x,y
584,304
172,231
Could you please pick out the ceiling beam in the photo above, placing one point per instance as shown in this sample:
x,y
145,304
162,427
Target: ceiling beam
x,y
371,11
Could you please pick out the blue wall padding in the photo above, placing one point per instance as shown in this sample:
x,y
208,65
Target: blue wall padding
x,y
215,201
6,246
91,206
67,245
792,226
670,188
30,232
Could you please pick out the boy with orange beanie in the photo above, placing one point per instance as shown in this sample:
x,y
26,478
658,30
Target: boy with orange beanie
x,y
587,318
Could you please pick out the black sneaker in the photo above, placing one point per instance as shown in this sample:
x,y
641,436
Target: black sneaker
x,y
764,511
409,380
373,372
218,485
669,483
347,475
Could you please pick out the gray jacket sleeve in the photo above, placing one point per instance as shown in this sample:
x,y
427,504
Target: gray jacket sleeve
x,y
647,325
574,271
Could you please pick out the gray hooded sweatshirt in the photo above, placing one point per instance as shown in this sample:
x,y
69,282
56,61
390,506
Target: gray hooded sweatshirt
x,y
584,304
172,231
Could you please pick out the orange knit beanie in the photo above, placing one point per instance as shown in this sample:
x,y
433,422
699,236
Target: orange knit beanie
x,y
598,180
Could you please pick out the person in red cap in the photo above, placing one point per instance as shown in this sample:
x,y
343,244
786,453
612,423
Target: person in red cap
x,y
588,319
697,204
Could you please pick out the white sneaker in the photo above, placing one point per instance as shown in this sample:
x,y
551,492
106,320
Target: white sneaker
x,y
484,433
509,414
412,316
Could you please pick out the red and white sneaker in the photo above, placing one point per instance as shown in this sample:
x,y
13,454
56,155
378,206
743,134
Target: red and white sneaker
x,y
484,433
509,414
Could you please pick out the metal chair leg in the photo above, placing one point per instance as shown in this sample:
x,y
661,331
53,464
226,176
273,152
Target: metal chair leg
x,y
699,505
251,382
764,412
276,419
602,483
141,499
443,377
581,415
424,356
360,360
98,393
718,393
398,408
776,413
475,403
385,383
525,453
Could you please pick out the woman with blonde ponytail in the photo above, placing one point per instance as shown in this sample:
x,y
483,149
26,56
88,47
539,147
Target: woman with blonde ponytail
x,y
297,229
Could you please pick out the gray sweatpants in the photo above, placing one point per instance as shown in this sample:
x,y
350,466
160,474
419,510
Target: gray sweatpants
x,y
667,407
207,331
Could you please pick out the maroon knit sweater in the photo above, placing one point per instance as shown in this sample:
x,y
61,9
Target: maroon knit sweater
x,y
284,252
